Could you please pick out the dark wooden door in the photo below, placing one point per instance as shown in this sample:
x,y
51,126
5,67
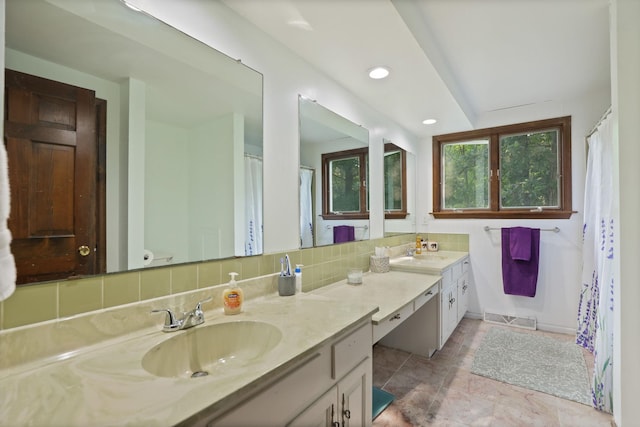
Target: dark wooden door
x,y
51,140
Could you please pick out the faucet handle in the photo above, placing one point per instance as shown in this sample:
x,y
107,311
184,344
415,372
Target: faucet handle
x,y
170,321
199,304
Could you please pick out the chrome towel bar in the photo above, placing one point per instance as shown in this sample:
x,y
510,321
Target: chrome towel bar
x,y
554,229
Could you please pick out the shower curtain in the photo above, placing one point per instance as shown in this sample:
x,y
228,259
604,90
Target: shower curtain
x,y
253,205
306,208
595,310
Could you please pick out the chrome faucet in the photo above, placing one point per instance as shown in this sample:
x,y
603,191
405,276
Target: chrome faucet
x,y
189,319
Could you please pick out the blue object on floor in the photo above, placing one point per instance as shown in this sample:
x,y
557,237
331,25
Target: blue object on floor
x,y
381,399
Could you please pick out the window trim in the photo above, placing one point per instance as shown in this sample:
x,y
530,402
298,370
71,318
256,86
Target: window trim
x,y
564,211
398,213
326,159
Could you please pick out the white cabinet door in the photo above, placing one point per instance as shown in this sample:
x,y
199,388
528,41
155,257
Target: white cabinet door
x,y
354,394
463,295
348,404
324,412
448,312
452,315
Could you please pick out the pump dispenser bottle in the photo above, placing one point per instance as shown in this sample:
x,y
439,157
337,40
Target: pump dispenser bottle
x,y
298,274
232,296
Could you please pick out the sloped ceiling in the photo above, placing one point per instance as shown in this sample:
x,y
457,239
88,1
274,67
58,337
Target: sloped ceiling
x,y
452,60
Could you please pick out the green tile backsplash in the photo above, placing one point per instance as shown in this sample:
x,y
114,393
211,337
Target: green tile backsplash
x,y
322,266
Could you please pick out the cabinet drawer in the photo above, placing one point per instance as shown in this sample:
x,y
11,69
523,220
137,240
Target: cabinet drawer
x,y
351,350
465,265
387,324
425,296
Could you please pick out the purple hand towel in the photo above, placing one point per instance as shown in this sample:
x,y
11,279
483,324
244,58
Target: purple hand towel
x,y
520,243
343,233
520,277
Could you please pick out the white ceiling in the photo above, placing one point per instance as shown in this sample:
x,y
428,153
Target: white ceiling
x,y
452,60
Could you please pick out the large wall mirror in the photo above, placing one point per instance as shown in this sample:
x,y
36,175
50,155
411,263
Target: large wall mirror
x,y
177,123
333,177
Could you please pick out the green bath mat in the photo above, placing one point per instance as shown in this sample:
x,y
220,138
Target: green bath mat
x,y
381,399
536,362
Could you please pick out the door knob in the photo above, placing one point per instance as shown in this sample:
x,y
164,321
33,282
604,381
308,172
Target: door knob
x,y
84,250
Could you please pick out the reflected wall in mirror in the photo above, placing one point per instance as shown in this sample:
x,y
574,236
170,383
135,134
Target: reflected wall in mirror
x,y
400,177
333,209
177,150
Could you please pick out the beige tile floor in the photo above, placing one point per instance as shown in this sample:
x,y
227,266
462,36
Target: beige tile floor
x,y
442,391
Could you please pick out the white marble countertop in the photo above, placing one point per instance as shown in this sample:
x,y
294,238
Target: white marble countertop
x,y
105,385
427,262
389,291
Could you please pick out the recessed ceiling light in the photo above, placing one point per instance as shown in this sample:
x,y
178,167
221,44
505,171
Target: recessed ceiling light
x,y
429,121
378,73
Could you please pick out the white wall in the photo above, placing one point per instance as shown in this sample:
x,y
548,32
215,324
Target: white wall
x,y
625,81
556,301
166,224
211,189
134,125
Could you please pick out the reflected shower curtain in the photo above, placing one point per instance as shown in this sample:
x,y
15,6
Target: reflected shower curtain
x,y
306,208
253,205
595,311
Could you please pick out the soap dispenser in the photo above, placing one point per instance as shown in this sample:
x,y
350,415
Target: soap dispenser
x,y
232,296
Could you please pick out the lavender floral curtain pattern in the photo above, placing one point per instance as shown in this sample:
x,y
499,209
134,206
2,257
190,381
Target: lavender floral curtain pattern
x,y
253,205
595,310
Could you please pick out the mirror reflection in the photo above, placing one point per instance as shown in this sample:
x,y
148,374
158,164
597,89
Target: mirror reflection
x,y
333,177
400,178
177,142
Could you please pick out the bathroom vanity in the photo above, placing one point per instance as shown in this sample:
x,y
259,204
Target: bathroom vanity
x,y
298,360
404,299
453,267
330,385
322,354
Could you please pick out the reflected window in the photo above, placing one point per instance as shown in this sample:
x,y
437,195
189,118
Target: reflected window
x,y
344,184
395,182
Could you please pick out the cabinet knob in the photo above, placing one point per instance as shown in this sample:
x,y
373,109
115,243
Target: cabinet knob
x,y
396,317
428,293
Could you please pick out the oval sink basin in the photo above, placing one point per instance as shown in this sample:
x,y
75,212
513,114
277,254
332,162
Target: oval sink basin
x,y
203,350
425,263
